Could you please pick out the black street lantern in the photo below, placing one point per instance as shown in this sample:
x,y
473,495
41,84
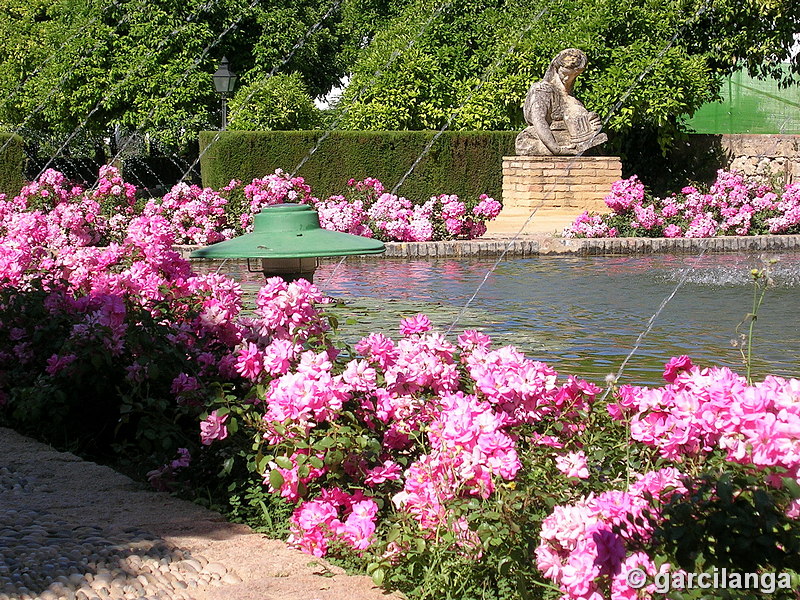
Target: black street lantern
x,y
224,82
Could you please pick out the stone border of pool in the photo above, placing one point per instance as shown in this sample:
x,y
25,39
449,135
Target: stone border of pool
x,y
540,244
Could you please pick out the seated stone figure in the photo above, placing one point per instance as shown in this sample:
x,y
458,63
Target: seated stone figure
x,y
558,123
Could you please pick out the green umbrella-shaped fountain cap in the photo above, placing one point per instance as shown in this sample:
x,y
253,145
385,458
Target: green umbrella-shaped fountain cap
x,y
290,231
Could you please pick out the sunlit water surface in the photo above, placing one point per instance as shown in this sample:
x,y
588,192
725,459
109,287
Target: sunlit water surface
x,y
582,315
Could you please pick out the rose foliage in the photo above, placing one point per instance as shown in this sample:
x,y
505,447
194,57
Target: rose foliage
x,y
445,468
733,205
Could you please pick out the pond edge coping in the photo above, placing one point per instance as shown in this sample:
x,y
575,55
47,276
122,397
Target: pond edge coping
x,y
540,244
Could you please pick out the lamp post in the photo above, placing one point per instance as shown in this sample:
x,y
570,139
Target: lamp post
x,y
288,239
224,82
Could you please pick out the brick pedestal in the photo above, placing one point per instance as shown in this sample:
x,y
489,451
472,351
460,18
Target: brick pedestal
x,y
559,187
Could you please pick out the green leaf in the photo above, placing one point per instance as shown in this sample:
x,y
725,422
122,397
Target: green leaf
x,y
275,479
226,467
792,486
393,534
233,426
378,576
284,463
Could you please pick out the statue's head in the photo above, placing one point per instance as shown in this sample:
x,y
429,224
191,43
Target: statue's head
x,y
571,60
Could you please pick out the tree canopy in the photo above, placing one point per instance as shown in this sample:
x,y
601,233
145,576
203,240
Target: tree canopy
x,y
146,65
469,65
69,66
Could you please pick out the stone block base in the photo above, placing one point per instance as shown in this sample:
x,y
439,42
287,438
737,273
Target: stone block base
x,y
558,188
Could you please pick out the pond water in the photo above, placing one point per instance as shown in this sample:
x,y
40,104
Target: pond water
x,y
582,315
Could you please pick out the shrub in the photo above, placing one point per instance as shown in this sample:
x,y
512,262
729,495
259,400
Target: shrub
x,y
447,469
277,102
731,206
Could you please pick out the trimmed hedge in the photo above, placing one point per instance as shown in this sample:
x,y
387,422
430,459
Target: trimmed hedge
x,y
463,163
12,163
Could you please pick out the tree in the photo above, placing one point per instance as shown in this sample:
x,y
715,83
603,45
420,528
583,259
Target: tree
x,y
469,65
280,102
74,67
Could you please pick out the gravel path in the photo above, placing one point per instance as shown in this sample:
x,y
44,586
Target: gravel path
x,y
74,530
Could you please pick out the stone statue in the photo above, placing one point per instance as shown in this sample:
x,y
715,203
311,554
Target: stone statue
x,y
558,123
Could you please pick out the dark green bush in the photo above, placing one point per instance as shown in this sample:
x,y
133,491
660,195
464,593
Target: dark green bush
x,y
462,163
12,160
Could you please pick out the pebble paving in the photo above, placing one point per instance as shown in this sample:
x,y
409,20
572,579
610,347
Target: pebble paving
x,y
45,557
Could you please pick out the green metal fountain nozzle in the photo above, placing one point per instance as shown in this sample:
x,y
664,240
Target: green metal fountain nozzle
x,y
288,239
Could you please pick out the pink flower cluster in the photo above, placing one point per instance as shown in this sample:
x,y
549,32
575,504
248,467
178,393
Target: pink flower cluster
x,y
372,212
338,214
528,391
110,184
732,205
402,390
703,410
291,478
588,548
468,451
100,288
213,428
335,516
50,189
198,215
286,316
590,226
277,188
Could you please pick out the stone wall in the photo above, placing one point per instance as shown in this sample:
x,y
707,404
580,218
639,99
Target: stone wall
x,y
533,245
772,158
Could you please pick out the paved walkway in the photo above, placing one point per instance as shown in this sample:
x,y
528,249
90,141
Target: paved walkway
x,y
74,530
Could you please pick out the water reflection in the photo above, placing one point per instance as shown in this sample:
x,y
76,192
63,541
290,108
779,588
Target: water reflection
x,y
582,314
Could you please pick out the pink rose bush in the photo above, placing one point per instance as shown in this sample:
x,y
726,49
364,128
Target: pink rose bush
x,y
733,205
396,453
372,212
197,215
702,417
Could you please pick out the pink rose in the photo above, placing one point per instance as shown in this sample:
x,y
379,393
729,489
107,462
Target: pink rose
x,y
213,428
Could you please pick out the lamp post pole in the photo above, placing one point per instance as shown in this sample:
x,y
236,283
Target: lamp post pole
x,y
224,82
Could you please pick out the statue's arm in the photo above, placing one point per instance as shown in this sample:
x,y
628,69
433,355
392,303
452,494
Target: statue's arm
x,y
537,109
542,128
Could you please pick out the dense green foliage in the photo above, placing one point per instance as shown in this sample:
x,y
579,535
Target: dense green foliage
x,y
463,163
470,65
73,66
11,163
279,102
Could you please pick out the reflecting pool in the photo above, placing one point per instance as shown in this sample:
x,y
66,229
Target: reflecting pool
x,y
583,315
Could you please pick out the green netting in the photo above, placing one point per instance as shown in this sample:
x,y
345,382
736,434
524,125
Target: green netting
x,y
750,106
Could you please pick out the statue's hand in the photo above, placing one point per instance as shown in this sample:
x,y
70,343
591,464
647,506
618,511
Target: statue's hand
x,y
568,150
595,122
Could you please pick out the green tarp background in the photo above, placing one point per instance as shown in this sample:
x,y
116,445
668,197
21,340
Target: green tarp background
x,y
751,106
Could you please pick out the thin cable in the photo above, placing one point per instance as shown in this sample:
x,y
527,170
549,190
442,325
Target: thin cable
x,y
614,377
616,107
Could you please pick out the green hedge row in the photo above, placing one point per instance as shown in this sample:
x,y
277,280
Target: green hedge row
x,y
12,163
463,163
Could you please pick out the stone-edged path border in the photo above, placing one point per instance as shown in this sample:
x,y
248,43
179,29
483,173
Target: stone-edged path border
x,y
74,530
541,244
534,245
